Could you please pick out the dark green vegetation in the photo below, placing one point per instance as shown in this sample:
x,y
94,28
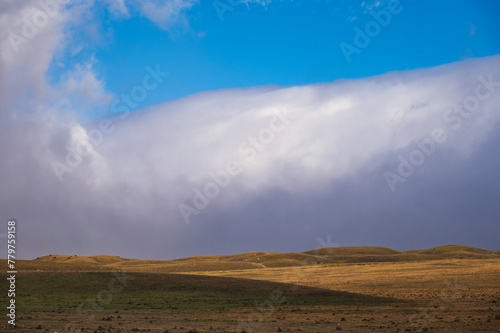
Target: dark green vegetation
x,y
52,291
85,299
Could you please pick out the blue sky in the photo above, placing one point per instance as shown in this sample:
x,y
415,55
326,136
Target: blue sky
x,y
270,127
282,43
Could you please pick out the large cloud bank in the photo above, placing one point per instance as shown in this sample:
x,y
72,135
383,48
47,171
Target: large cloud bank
x,y
405,160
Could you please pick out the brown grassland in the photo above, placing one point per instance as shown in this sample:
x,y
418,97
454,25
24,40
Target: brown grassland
x,y
352,289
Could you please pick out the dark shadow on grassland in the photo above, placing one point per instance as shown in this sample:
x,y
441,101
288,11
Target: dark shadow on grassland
x,y
51,291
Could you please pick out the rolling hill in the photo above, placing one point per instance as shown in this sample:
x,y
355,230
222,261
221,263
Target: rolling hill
x,y
254,260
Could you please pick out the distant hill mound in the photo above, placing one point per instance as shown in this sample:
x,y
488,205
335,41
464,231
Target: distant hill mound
x,y
456,251
102,259
254,260
353,250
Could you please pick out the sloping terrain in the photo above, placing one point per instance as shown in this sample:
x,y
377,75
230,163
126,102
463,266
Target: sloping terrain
x,y
254,260
357,289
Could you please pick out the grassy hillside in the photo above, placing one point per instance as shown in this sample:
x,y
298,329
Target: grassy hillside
x,y
351,251
254,260
164,291
449,288
131,302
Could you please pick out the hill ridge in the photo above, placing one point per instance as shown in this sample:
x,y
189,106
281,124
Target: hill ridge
x,y
256,260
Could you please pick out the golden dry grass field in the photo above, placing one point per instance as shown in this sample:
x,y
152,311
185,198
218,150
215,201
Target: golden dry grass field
x,y
362,289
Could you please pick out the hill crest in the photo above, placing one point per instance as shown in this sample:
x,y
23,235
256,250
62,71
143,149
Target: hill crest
x,y
255,260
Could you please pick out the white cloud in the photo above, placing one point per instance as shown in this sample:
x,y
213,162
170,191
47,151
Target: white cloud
x,y
166,13
367,6
118,6
340,128
154,159
127,189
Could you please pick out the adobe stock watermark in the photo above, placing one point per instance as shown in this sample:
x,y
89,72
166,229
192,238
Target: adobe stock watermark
x,y
35,21
11,271
248,150
372,29
221,7
122,105
454,118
